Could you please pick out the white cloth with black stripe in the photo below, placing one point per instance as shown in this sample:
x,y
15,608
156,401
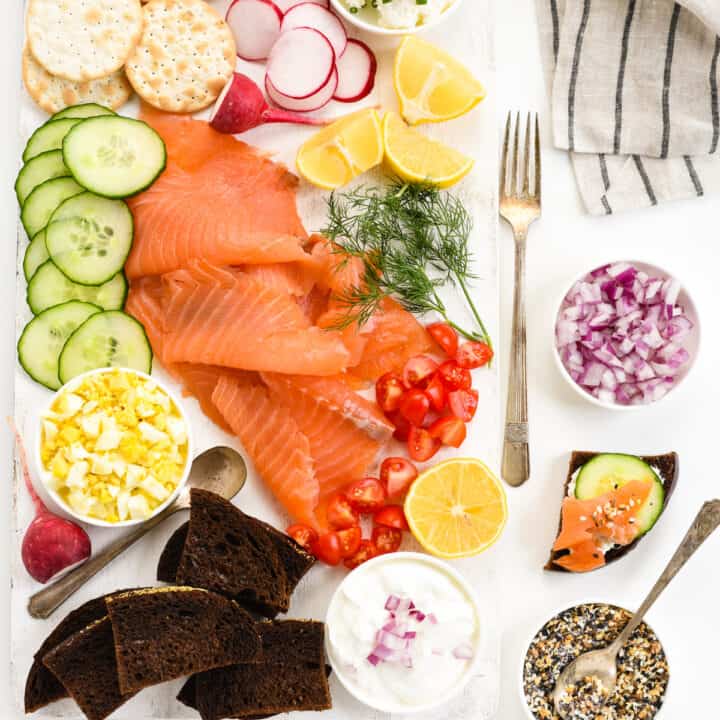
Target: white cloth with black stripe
x,y
635,97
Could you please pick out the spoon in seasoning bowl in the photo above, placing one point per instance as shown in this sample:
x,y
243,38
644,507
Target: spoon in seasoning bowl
x,y
220,470
598,668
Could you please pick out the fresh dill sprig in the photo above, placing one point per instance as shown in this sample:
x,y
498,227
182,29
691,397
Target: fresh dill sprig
x,y
412,240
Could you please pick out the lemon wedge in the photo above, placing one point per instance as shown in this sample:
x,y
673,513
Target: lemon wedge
x,y
431,85
456,508
343,150
417,158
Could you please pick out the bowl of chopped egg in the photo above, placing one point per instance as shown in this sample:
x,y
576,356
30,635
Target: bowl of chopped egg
x,y
394,17
113,447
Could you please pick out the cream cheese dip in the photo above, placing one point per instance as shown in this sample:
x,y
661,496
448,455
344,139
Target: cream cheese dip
x,y
403,632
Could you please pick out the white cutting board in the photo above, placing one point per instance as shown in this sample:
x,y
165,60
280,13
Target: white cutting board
x,y
468,35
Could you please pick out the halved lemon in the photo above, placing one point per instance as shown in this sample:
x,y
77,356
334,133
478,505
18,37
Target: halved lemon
x,y
343,150
456,508
431,84
417,158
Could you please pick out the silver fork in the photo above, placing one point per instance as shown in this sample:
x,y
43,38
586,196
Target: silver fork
x,y
519,207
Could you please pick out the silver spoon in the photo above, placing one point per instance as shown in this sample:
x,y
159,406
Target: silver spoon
x,y
220,470
600,665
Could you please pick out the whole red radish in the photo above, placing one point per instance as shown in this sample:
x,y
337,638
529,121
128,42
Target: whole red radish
x,y
51,544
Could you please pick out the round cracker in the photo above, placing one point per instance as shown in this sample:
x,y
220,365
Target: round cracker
x,y
83,40
185,57
53,94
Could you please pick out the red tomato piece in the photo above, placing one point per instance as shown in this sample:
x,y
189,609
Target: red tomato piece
x,y
398,474
386,539
445,337
418,370
391,516
366,551
366,495
454,377
389,390
340,513
421,444
437,393
402,426
473,355
414,406
463,404
303,535
349,540
328,549
449,431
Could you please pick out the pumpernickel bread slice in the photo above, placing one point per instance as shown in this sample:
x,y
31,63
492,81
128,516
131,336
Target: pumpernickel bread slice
x,y
165,633
86,666
170,557
667,467
41,686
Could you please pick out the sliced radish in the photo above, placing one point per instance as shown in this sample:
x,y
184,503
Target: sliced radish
x,y
356,72
311,15
307,104
285,5
301,63
255,25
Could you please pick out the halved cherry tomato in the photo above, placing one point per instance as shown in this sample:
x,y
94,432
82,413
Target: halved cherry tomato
x,y
366,551
421,445
350,540
473,355
340,513
389,390
414,406
449,431
463,404
328,549
391,516
437,393
398,474
303,535
402,426
418,370
386,539
445,337
454,377
366,495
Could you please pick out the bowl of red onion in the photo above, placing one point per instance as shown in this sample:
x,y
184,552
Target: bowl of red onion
x,y
626,334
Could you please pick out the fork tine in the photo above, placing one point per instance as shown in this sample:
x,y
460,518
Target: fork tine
x,y
515,159
538,163
526,174
504,161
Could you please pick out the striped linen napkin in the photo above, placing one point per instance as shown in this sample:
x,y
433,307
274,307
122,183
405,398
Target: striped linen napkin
x,y
635,101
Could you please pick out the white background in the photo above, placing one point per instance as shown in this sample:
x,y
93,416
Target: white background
x,y
681,237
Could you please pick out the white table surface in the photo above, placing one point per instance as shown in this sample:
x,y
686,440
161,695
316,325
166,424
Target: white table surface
x,y
682,237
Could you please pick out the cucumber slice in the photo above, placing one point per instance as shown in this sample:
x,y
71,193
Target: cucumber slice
x,y
89,238
610,471
114,156
44,336
42,167
49,137
48,287
108,339
42,202
35,255
84,110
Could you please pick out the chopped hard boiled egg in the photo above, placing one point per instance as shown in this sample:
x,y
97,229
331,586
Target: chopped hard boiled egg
x,y
115,447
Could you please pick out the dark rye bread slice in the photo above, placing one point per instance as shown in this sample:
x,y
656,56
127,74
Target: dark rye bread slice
x,y
85,664
668,467
170,557
165,633
41,686
290,676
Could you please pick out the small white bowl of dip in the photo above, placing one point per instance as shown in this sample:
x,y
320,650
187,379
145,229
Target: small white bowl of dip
x,y
432,648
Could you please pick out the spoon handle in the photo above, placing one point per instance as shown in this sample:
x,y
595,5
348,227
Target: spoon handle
x,y
43,603
705,523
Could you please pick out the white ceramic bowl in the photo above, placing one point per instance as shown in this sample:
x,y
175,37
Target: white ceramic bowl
x,y
521,689
447,571
95,521
366,19
691,343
